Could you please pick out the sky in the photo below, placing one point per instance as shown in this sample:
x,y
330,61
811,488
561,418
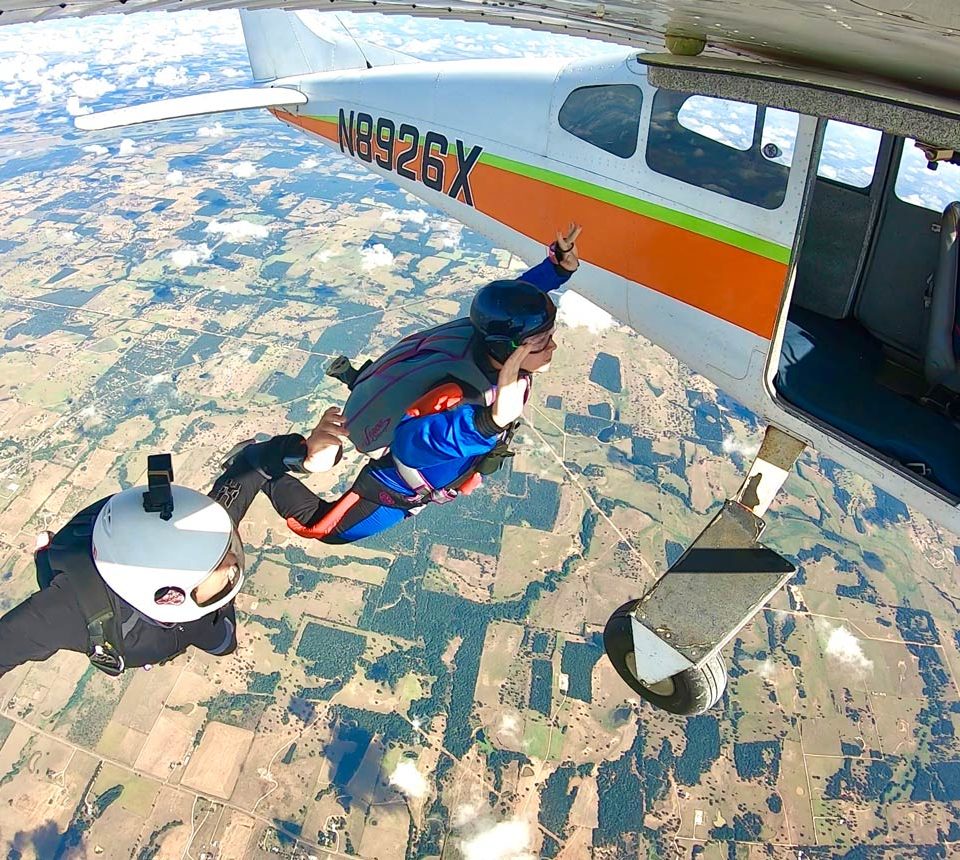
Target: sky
x,y
56,70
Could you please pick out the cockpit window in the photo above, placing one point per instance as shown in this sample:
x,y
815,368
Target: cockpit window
x,y
734,149
921,186
605,116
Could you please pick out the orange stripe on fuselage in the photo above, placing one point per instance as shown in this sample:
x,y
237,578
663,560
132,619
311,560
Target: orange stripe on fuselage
x,y
725,281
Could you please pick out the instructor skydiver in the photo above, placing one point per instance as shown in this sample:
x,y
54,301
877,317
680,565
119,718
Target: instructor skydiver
x,y
137,577
443,404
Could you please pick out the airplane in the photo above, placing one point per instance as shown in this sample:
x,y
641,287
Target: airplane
x,y
825,304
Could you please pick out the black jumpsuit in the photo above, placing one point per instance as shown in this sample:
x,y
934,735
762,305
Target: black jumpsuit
x,y
51,620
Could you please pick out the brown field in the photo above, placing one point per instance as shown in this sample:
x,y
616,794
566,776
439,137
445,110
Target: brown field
x,y
215,765
143,700
500,649
170,805
340,601
577,845
191,688
271,580
585,807
290,783
121,743
895,720
49,685
237,836
49,786
530,554
385,832
471,577
30,498
168,743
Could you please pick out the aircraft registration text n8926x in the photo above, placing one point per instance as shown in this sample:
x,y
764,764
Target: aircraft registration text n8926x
x,y
404,151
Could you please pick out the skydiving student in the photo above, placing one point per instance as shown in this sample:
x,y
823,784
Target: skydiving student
x,y
444,403
137,577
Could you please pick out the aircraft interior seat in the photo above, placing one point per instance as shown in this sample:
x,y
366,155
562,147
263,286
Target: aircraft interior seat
x,y
829,368
941,361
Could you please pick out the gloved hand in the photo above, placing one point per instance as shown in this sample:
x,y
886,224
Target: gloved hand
x,y
324,448
511,389
563,251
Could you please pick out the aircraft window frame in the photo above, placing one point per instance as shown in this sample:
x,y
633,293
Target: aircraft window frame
x,y
582,105
914,162
677,151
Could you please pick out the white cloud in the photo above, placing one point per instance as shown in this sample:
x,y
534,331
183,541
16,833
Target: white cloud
x,y
191,255
231,73
505,840
575,311
464,815
376,257
235,231
409,780
96,149
747,450
170,76
309,163
215,130
203,78
175,177
142,82
74,108
244,170
127,147
413,216
91,88
7,102
845,648
323,256
767,670
156,379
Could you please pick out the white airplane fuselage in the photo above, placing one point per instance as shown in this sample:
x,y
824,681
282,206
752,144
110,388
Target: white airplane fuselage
x,y
704,275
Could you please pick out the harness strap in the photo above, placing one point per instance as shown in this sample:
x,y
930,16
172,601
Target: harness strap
x,y
70,551
329,521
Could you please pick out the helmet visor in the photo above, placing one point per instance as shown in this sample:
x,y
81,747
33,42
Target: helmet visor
x,y
224,577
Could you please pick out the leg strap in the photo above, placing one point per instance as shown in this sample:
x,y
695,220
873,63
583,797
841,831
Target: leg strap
x,y
328,522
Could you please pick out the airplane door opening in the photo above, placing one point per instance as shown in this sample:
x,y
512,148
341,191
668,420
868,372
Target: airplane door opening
x,y
871,348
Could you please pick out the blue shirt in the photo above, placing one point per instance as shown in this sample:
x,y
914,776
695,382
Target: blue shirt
x,y
442,446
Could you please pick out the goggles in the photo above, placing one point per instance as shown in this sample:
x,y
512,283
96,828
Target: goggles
x,y
537,342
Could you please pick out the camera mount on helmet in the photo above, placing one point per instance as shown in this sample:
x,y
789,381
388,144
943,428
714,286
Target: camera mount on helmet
x,y
159,497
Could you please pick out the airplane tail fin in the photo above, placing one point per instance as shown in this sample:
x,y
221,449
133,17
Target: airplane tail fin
x,y
292,44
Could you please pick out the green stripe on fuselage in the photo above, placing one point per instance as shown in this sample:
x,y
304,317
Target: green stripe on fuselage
x,y
701,226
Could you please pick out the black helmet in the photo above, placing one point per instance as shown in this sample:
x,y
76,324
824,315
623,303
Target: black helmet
x,y
506,313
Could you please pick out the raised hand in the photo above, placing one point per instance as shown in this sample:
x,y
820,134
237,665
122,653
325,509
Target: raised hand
x,y
565,248
511,389
323,443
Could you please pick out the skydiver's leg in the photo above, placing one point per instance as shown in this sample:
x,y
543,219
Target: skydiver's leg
x,y
251,468
290,498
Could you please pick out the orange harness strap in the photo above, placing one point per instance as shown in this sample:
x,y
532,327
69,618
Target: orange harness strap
x,y
328,522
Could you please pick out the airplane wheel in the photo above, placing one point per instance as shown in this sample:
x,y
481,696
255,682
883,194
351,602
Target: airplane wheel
x,y
689,692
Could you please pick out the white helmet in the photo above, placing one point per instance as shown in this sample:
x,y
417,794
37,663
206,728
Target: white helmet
x,y
155,564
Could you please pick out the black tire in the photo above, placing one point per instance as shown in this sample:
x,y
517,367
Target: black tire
x,y
687,693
